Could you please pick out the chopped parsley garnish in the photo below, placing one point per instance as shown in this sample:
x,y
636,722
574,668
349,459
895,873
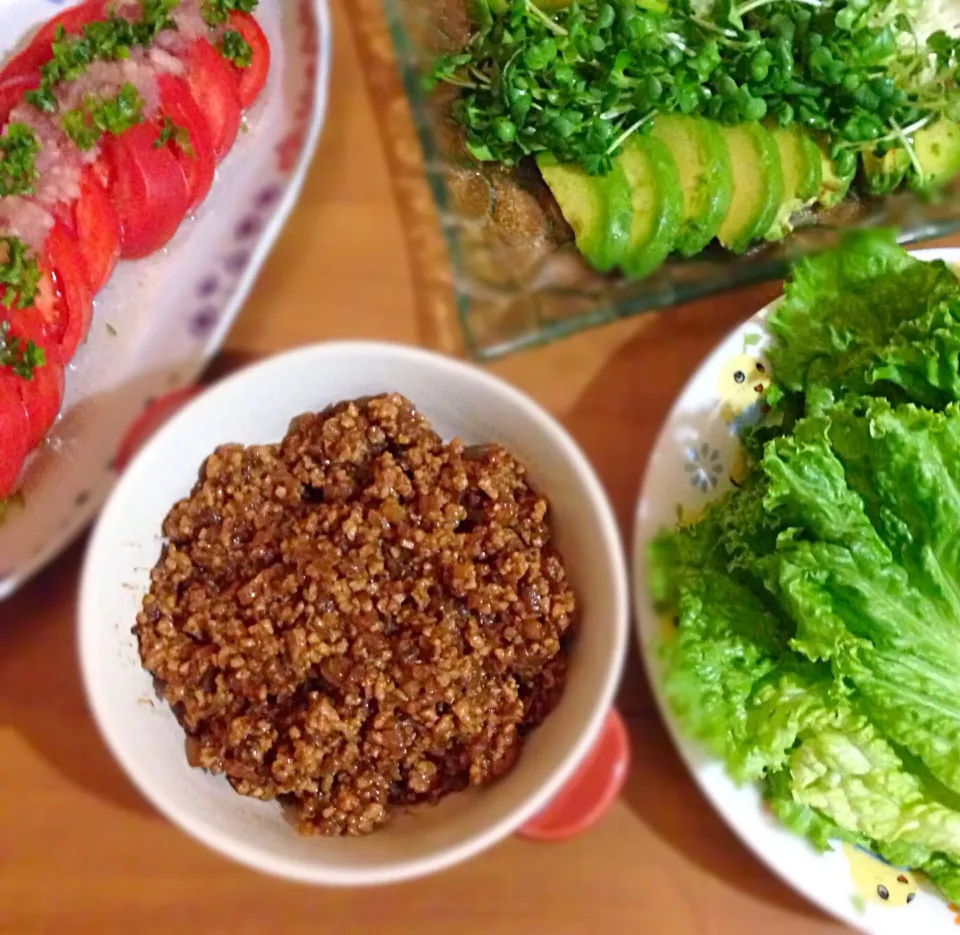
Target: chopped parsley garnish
x,y
109,40
172,133
85,125
19,274
22,357
18,150
577,82
217,12
234,48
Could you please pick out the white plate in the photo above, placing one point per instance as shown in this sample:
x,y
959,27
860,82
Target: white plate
x,y
160,320
691,463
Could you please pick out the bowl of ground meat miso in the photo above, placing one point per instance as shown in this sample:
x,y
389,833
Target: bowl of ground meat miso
x,y
355,614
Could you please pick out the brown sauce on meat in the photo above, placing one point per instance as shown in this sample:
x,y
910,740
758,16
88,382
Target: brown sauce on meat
x,y
359,618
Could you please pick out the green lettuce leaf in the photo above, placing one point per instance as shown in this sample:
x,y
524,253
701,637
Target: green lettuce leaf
x,y
868,314
803,820
883,611
846,771
815,644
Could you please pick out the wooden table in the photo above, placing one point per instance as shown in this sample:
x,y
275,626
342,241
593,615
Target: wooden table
x,y
80,850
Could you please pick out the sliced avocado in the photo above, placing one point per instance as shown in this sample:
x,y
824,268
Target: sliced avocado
x,y
801,167
833,185
757,185
810,184
657,199
882,174
937,148
706,177
597,207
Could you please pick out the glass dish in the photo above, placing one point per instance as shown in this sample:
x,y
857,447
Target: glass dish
x,y
518,279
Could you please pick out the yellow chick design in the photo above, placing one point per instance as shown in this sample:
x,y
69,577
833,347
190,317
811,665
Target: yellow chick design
x,y
742,383
879,882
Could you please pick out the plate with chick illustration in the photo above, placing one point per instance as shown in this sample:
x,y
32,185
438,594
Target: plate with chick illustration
x,y
698,457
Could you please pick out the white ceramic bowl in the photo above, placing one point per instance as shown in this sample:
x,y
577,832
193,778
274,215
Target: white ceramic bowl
x,y
255,406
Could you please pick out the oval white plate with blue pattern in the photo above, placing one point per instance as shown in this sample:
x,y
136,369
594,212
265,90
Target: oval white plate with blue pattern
x,y
160,320
696,458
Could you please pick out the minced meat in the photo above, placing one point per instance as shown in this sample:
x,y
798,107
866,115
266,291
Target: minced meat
x,y
359,618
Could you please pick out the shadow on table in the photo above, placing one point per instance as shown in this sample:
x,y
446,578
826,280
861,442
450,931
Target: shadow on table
x,y
41,695
636,388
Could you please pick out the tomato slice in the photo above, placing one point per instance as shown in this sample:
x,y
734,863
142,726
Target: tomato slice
x,y
42,394
148,190
14,432
42,397
12,86
199,166
65,301
214,89
38,51
250,80
94,224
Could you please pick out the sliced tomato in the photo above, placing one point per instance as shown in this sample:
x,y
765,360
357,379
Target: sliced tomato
x,y
250,80
38,52
200,164
12,86
215,91
42,393
14,432
148,190
65,300
92,221
42,397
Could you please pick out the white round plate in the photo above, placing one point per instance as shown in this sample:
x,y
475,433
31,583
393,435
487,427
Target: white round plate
x,y
691,463
160,320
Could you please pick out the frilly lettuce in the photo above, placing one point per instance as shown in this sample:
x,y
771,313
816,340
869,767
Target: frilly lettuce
x,y
816,610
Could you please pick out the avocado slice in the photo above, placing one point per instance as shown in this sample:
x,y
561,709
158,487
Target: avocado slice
x,y
801,175
706,176
882,174
597,207
937,148
833,185
757,185
657,198
810,184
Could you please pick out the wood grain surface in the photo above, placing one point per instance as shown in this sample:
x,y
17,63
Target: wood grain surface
x,y
81,852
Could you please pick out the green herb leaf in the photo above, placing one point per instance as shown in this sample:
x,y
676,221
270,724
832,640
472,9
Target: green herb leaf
x,y
109,39
217,12
18,150
21,357
234,48
177,135
19,274
85,125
